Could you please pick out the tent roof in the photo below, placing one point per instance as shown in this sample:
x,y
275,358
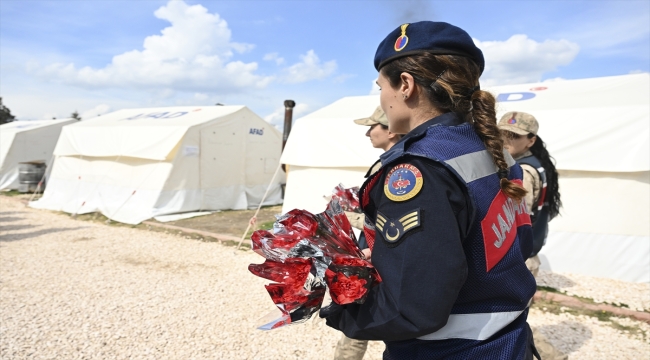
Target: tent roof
x,y
329,138
9,131
148,133
180,116
598,124
27,125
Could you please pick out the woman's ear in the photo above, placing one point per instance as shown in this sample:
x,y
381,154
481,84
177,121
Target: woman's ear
x,y
531,142
407,86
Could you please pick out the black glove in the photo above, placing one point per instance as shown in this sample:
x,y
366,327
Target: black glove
x,y
329,310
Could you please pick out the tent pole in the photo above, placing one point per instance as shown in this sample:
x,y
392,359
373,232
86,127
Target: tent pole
x,y
200,173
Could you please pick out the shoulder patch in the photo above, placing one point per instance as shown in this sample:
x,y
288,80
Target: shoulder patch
x,y
403,182
392,230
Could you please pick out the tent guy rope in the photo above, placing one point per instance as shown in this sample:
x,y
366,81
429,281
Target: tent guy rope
x,y
251,222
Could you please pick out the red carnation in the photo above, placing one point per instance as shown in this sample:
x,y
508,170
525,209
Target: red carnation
x,y
345,290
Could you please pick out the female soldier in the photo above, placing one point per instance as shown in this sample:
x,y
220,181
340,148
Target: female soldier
x,y
540,177
444,218
543,198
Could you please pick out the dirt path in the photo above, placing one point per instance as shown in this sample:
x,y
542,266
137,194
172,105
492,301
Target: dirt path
x,y
72,289
229,222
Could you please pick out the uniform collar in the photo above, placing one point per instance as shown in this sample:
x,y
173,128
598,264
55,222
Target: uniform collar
x,y
447,119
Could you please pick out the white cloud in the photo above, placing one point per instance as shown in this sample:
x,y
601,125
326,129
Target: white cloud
x,y
276,118
523,60
343,78
637,72
274,57
193,54
309,68
96,111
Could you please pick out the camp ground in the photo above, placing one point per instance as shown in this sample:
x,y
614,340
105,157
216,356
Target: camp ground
x,y
26,141
598,131
132,165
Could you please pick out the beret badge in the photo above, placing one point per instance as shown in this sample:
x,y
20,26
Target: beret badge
x,y
401,41
513,119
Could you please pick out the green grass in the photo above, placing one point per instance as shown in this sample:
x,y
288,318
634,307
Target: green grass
x,y
13,193
263,226
99,218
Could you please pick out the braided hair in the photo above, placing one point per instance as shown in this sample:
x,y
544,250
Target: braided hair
x,y
451,84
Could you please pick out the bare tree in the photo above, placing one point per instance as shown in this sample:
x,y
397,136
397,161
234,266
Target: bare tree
x,y
5,114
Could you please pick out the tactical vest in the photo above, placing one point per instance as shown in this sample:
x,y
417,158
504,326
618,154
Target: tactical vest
x,y
540,216
498,287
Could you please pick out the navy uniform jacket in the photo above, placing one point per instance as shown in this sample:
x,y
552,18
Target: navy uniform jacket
x,y
420,251
432,255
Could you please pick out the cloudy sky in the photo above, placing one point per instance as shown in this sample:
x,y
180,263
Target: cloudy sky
x,y
94,57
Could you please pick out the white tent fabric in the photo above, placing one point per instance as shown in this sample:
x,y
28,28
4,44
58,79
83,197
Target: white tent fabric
x,y
23,141
598,131
326,148
135,164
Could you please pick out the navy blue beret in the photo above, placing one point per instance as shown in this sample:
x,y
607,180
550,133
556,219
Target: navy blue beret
x,y
427,36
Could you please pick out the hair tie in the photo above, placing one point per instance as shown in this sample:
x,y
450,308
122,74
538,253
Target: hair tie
x,y
471,91
437,77
503,173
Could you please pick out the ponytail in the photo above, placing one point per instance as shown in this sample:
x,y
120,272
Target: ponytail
x,y
552,187
485,124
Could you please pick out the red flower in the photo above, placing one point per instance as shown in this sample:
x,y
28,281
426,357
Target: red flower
x,y
344,289
350,261
304,242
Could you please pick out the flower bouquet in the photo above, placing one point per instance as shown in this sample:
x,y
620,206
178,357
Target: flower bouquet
x,y
307,253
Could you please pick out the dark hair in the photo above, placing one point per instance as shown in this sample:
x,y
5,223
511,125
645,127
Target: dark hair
x,y
385,127
448,81
552,186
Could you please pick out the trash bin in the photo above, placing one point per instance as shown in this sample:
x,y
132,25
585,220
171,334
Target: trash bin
x,y
29,175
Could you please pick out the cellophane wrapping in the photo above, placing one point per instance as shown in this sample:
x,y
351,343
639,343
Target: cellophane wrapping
x,y
307,253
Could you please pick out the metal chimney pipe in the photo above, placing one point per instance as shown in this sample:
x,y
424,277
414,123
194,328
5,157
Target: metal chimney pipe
x,y
288,116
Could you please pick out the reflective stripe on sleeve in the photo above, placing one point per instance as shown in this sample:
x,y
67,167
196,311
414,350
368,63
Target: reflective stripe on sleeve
x,y
476,165
473,326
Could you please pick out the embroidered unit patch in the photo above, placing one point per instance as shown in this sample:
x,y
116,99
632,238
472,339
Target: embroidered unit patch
x,y
394,229
403,182
401,41
499,226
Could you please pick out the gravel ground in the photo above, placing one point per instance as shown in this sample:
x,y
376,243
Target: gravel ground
x,y
79,290
635,296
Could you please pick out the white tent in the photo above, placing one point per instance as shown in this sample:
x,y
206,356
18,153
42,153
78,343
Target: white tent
x,y
135,164
598,130
23,141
